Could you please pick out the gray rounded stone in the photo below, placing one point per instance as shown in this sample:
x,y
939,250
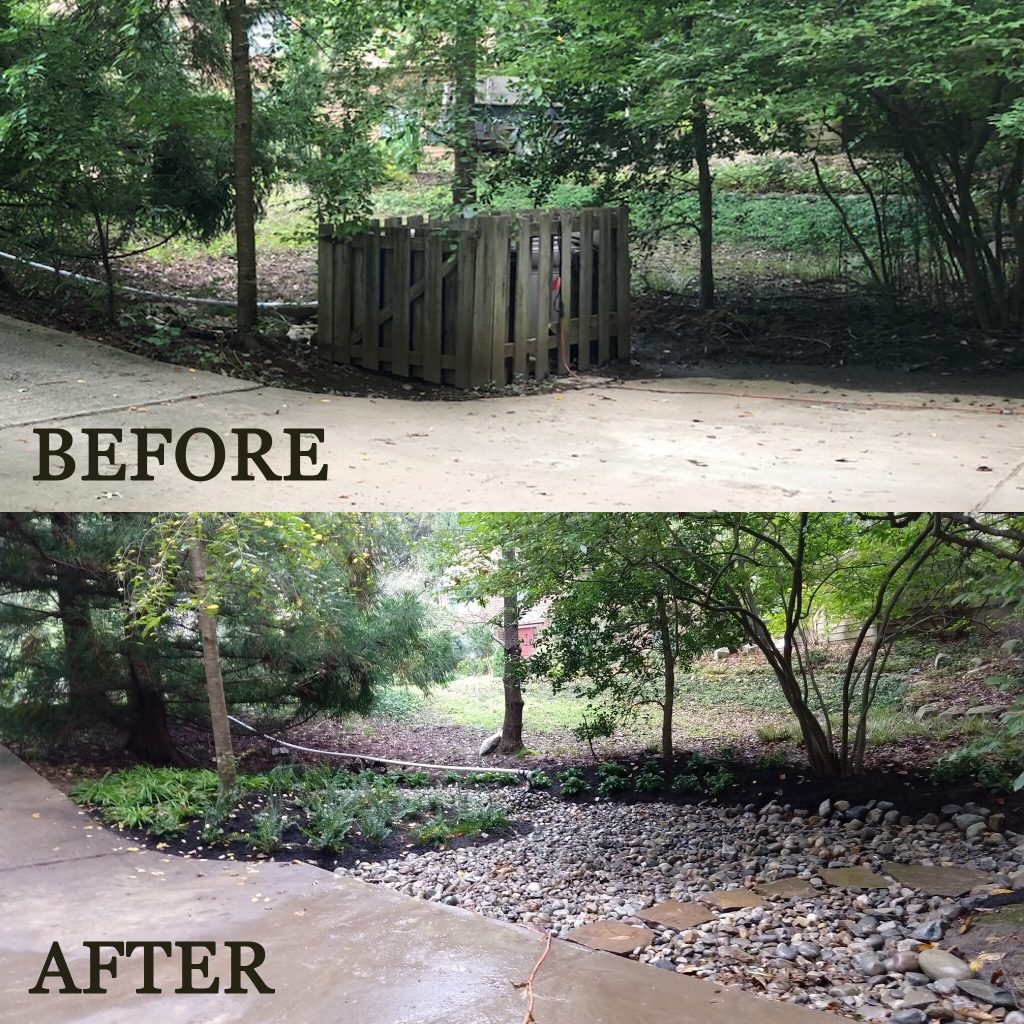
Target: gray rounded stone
x,y
937,963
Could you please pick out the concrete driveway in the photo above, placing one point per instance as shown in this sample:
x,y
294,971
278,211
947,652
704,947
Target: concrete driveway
x,y
337,950
683,444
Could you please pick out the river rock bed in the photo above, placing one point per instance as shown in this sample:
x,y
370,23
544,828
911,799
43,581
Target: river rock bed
x,y
886,953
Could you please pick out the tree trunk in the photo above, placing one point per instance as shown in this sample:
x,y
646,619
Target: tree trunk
x,y
81,648
464,72
512,725
668,653
211,668
149,737
245,202
701,155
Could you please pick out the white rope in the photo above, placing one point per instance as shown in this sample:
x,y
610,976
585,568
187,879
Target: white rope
x,y
521,772
187,300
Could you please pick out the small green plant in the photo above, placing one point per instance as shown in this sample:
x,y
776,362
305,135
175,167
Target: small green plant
x,y
414,779
686,783
649,781
608,769
718,781
539,780
573,782
454,778
435,832
330,828
375,823
216,816
771,760
267,828
612,784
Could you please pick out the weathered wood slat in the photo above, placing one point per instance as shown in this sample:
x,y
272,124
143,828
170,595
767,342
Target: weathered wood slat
x,y
523,288
586,289
566,327
401,299
431,342
371,327
464,308
342,296
605,284
545,228
500,271
622,298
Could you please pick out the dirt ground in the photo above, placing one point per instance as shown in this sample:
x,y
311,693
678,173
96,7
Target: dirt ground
x,y
765,327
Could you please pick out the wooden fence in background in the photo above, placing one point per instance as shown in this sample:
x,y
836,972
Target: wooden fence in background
x,y
455,302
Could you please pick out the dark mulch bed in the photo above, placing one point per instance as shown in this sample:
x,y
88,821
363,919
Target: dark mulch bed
x,y
295,846
823,335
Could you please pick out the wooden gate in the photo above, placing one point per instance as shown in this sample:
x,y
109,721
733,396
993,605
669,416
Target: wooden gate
x,y
456,302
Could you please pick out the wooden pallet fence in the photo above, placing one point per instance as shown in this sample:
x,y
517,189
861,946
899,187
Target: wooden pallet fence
x,y
479,301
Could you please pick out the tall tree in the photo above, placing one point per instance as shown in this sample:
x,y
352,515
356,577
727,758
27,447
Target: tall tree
x,y
242,154
206,613
511,679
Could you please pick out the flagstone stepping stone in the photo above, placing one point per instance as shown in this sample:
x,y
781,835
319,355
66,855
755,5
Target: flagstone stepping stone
x,y
787,888
853,878
732,899
936,881
673,914
612,936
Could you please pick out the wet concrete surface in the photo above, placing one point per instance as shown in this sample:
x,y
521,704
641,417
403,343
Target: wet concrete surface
x,y
337,950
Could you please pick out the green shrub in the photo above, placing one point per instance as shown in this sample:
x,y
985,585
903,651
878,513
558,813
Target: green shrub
x,y
612,784
267,828
375,823
686,783
718,781
330,828
610,768
649,781
539,780
435,832
573,782
776,733
455,778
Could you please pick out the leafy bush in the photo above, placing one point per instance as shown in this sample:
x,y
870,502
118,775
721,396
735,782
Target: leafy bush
x,y
455,778
573,782
412,779
330,830
375,823
216,816
538,780
612,784
268,828
436,832
718,781
649,781
776,734
686,783
609,768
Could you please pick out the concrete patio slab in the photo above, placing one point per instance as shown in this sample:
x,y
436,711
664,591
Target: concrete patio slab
x,y
337,950
689,444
